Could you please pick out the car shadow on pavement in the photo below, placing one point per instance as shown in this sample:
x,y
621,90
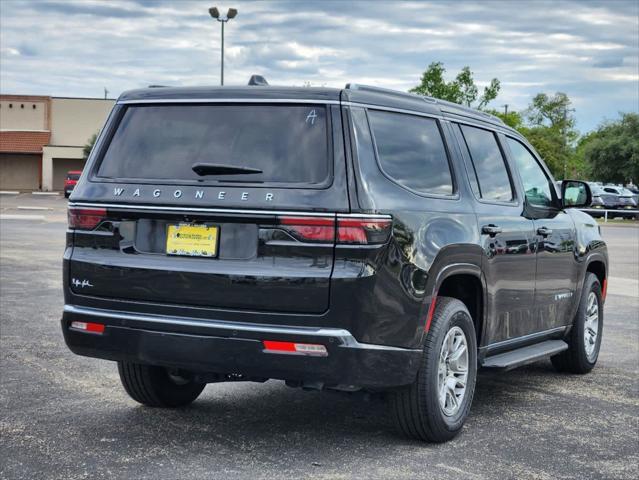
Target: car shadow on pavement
x,y
280,419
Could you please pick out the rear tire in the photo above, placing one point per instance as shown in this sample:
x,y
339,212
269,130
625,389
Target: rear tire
x,y
429,409
154,387
583,350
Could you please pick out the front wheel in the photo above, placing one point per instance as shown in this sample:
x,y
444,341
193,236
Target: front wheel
x,y
435,407
156,387
585,336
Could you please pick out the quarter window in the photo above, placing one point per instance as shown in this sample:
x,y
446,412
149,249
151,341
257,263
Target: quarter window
x,y
411,152
536,183
489,165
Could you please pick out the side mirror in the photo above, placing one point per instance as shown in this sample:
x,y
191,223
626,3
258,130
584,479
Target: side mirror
x,y
575,194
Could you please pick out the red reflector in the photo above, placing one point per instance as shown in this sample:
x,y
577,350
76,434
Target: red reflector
x,y
604,289
297,348
88,327
279,346
313,229
364,231
85,218
431,311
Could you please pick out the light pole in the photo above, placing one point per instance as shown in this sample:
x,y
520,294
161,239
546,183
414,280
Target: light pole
x,y
215,13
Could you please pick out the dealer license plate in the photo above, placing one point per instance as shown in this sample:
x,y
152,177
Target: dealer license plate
x,y
192,240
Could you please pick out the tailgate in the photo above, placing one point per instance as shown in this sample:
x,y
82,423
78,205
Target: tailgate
x,y
263,261
264,180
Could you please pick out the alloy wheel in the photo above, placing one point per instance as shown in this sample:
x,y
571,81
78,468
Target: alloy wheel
x,y
591,326
453,371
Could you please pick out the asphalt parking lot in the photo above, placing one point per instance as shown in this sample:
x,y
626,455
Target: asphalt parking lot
x,y
67,417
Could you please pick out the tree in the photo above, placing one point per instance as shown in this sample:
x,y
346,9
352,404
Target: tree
x,y
552,132
551,146
513,119
612,151
462,90
86,150
553,112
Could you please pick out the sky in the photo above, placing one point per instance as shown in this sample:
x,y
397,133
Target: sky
x,y
587,49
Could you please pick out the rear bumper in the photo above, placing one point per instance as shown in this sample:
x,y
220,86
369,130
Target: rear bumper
x,y
222,347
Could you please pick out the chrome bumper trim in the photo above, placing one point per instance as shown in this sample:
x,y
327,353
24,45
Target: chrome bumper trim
x,y
344,336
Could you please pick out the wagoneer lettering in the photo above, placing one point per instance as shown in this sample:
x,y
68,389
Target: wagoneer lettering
x,y
345,239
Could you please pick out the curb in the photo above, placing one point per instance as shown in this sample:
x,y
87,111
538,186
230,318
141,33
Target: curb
x,y
45,193
9,192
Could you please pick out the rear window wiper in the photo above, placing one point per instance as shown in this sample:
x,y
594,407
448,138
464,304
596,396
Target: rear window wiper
x,y
203,169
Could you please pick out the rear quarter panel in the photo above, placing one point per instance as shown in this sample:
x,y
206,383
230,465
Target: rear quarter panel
x,y
430,235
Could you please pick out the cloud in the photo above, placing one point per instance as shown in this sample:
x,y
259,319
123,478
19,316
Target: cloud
x,y
90,8
76,48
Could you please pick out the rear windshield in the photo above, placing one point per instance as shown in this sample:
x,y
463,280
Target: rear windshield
x,y
288,143
73,176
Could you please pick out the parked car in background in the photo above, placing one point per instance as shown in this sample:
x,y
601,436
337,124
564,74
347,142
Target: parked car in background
x,y
624,197
69,183
635,193
601,200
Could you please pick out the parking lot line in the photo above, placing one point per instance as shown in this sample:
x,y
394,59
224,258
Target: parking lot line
x,y
26,207
21,217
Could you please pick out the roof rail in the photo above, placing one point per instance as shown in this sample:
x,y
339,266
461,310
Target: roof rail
x,y
388,91
450,107
158,86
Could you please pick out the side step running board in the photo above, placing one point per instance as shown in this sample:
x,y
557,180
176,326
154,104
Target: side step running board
x,y
525,355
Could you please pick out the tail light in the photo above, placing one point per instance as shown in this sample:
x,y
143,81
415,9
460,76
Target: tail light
x,y
363,230
351,230
85,218
310,229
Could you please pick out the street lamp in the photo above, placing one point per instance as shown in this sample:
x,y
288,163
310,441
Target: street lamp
x,y
215,13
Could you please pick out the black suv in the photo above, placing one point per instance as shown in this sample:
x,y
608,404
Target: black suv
x,y
353,239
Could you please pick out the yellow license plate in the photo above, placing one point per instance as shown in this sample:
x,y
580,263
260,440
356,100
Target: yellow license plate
x,y
192,240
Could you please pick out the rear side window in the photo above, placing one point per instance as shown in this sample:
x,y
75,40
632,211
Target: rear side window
x,y
288,143
411,152
489,165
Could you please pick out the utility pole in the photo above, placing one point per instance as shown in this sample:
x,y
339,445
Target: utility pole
x,y
106,92
565,135
215,13
505,110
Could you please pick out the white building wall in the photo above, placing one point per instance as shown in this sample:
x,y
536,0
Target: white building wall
x,y
23,113
75,120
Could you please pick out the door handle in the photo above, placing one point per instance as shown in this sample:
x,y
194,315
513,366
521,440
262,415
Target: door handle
x,y
491,230
544,232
